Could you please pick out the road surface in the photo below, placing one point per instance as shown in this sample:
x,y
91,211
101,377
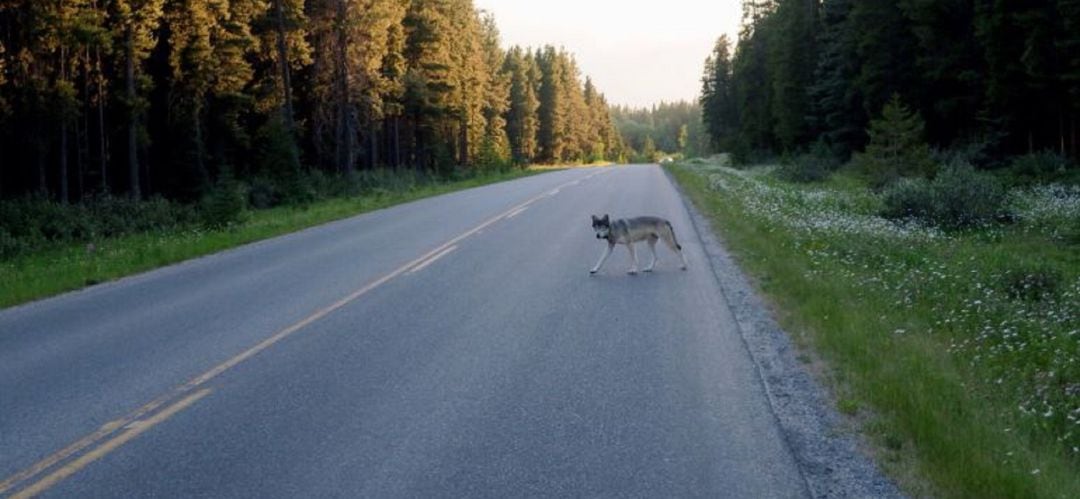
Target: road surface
x,y
452,347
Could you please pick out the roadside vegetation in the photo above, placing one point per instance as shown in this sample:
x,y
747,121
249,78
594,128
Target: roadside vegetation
x,y
955,340
918,223
47,247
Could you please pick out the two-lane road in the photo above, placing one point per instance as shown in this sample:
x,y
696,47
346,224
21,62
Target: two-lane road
x,y
451,347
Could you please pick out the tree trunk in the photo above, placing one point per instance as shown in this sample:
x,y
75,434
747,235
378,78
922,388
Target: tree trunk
x,y
133,115
63,131
200,164
43,188
464,145
1061,130
397,141
344,133
1075,152
103,155
373,146
286,72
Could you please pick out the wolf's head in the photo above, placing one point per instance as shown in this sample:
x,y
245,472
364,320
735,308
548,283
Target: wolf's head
x,y
602,226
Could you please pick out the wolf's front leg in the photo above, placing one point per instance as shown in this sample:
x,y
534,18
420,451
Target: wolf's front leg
x,y
603,258
633,258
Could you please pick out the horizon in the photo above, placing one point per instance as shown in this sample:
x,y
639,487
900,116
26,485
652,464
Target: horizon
x,y
610,41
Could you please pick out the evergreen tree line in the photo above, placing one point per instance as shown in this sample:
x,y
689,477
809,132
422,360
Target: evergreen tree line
x,y
170,97
661,130
988,77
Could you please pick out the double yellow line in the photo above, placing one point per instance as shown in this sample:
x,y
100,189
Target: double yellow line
x,y
162,408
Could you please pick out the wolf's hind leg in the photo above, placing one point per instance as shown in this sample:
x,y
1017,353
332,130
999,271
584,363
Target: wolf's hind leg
x,y
652,247
669,239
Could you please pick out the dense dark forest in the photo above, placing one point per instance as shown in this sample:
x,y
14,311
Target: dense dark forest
x,y
992,79
661,130
154,97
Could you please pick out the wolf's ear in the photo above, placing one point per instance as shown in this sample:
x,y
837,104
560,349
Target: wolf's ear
x,y
606,218
594,219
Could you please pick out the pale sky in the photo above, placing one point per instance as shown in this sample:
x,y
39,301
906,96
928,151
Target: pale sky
x,y
638,52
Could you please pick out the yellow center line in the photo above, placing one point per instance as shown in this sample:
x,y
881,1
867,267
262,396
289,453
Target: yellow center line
x,y
432,260
196,382
517,212
136,428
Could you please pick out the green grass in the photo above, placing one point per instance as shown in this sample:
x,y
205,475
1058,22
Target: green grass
x,y
966,381
72,266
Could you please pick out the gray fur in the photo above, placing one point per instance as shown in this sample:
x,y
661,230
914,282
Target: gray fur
x,y
631,230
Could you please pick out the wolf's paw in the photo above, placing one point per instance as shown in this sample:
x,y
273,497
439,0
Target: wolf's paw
x,y
647,270
632,271
684,267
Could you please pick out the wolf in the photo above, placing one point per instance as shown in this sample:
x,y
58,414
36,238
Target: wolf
x,y
631,230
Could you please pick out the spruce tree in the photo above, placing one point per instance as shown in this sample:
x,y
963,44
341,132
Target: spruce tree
x,y
792,56
521,115
897,147
717,96
551,110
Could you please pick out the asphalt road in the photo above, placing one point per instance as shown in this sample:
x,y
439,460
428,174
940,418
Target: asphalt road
x,y
451,347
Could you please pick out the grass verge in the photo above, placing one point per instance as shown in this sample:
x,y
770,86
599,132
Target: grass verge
x,y
72,266
959,353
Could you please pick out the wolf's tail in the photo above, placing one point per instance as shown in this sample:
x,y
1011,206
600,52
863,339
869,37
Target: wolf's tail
x,y
673,239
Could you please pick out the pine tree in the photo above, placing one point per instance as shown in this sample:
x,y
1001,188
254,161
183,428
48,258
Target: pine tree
x,y
897,146
496,146
575,126
430,86
595,111
470,79
717,96
949,66
352,42
209,48
836,105
792,55
751,88
521,115
885,47
136,24
551,111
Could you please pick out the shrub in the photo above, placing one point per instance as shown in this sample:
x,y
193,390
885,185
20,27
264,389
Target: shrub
x,y
908,198
262,193
958,197
9,245
1041,167
964,197
1031,284
813,166
31,223
224,205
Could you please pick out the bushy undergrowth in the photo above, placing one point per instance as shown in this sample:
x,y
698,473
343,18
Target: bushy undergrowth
x,y
33,223
959,197
28,224
1041,168
813,166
